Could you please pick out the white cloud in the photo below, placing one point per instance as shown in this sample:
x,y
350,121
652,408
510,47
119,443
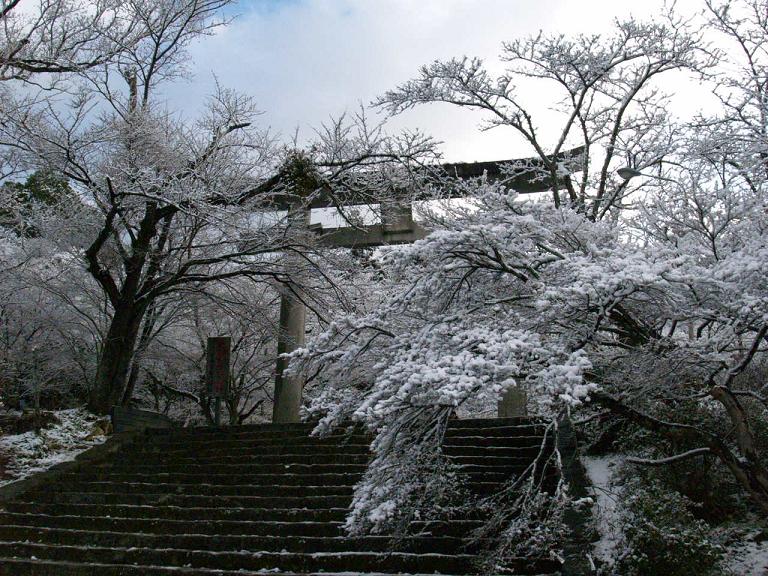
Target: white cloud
x,y
305,60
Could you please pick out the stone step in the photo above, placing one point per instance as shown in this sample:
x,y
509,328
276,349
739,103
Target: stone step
x,y
499,443
315,514
457,446
179,482
217,542
78,481
514,457
303,426
523,444
457,528
171,486
282,431
486,423
516,460
200,430
170,526
201,469
259,437
526,446
302,444
495,431
245,456
236,454
465,464
307,427
394,562
262,497
228,448
271,437
167,482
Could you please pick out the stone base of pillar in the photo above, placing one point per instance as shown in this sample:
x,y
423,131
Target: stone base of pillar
x,y
287,408
513,403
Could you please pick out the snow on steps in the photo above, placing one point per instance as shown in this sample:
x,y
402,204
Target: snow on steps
x,y
246,500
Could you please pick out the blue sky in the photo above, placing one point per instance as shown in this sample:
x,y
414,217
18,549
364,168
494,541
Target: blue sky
x,y
306,60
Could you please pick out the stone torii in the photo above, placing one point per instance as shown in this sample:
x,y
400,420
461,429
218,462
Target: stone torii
x,y
397,226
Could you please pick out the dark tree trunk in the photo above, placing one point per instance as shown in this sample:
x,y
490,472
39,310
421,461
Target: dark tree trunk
x,y
747,466
130,386
144,341
115,359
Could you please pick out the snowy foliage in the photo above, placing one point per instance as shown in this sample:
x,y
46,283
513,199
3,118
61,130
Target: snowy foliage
x,y
646,298
442,342
663,537
74,431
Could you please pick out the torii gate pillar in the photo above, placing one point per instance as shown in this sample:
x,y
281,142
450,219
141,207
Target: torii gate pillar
x,y
288,389
396,226
293,314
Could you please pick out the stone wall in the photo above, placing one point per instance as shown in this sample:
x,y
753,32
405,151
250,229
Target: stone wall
x,y
131,419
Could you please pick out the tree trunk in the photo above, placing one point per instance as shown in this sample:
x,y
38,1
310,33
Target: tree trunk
x,y
115,359
746,468
144,341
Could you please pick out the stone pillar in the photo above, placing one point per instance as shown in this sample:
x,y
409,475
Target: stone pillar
x,y
514,402
217,354
396,216
288,390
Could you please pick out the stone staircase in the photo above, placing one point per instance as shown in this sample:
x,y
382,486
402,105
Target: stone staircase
x,y
244,501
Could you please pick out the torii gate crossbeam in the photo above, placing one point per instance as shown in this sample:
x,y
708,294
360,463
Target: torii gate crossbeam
x,y
397,227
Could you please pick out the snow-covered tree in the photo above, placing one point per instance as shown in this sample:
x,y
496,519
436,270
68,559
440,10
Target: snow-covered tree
x,y
653,315
602,91
165,205
171,362
51,323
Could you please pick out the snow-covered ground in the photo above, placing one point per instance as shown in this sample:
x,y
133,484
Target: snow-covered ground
x,y
746,556
606,493
30,452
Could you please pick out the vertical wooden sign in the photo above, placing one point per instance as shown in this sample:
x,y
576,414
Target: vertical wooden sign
x,y
217,370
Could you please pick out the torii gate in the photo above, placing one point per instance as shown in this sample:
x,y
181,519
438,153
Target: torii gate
x,y
398,227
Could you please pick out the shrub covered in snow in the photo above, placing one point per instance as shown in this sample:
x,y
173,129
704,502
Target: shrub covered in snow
x,y
663,537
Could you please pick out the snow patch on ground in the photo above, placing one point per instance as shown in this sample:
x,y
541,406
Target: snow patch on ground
x,y
32,452
748,558
746,554
606,492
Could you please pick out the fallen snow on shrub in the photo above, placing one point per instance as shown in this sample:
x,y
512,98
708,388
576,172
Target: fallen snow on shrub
x,y
30,452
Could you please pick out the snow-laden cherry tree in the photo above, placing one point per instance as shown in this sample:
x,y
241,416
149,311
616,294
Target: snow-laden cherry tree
x,y
654,315
158,202
604,92
165,207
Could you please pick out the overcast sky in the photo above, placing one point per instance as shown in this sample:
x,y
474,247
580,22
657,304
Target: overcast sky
x,y
306,60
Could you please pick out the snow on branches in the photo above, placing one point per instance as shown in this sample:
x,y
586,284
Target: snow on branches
x,y
511,292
